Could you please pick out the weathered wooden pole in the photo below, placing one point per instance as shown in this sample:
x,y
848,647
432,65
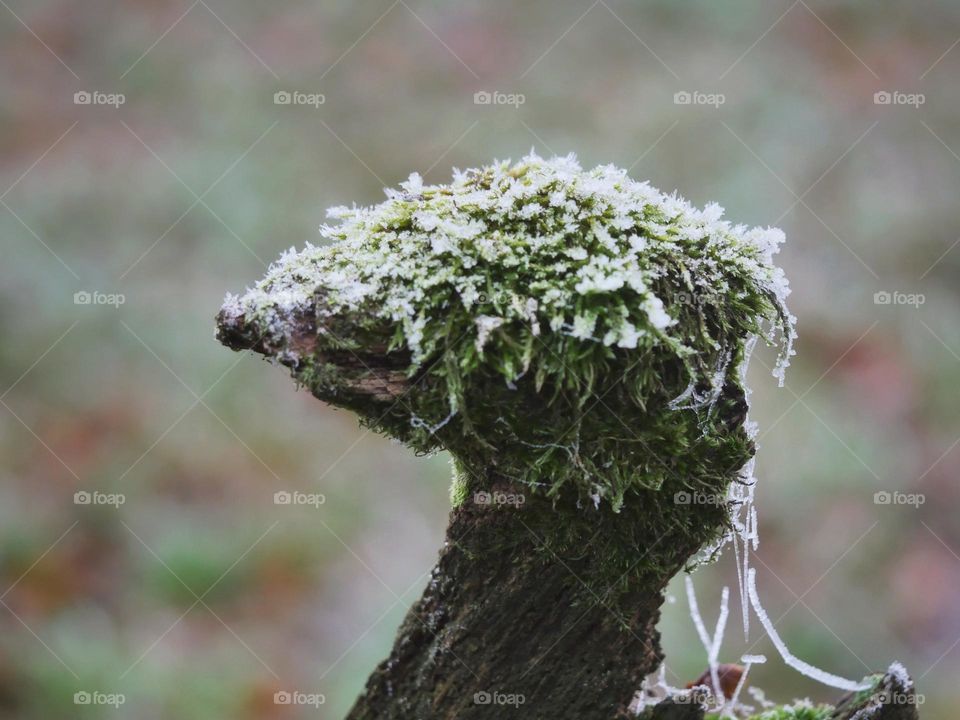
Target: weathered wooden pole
x,y
576,341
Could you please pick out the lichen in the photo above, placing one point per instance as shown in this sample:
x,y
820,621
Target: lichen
x,y
580,332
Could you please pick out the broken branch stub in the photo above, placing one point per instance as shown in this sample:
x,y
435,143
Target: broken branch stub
x,y
888,696
576,340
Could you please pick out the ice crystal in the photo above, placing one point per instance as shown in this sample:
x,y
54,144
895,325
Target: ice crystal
x,y
587,249
582,300
789,658
710,644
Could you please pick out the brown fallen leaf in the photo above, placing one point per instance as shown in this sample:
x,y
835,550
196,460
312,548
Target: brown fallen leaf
x,y
728,674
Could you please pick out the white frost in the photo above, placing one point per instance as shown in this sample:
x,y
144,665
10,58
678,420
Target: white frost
x,y
486,324
711,645
601,242
790,659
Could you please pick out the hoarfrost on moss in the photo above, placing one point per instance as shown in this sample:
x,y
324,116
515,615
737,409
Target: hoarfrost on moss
x,y
582,245
585,300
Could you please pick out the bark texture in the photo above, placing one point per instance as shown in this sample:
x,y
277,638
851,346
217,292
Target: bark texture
x,y
531,611
507,628
894,698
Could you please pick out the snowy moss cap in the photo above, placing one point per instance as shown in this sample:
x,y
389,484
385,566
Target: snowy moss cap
x,y
520,248
536,272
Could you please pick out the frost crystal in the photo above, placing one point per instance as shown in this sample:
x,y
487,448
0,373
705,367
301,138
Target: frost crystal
x,y
900,674
584,300
486,325
796,663
711,645
569,239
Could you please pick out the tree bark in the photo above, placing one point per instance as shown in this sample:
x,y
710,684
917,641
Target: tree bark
x,y
506,625
515,617
525,614
894,698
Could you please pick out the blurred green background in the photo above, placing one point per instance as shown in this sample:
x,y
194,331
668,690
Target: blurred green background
x,y
198,597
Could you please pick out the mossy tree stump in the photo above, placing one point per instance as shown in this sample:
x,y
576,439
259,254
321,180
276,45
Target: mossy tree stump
x,y
576,341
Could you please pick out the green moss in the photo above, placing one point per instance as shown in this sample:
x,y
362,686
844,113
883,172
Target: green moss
x,y
862,696
647,538
459,485
575,333
797,711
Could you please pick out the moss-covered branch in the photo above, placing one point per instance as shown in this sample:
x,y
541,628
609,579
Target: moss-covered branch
x,y
577,341
890,696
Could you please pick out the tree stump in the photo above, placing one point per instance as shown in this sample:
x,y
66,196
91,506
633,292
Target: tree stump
x,y
576,341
